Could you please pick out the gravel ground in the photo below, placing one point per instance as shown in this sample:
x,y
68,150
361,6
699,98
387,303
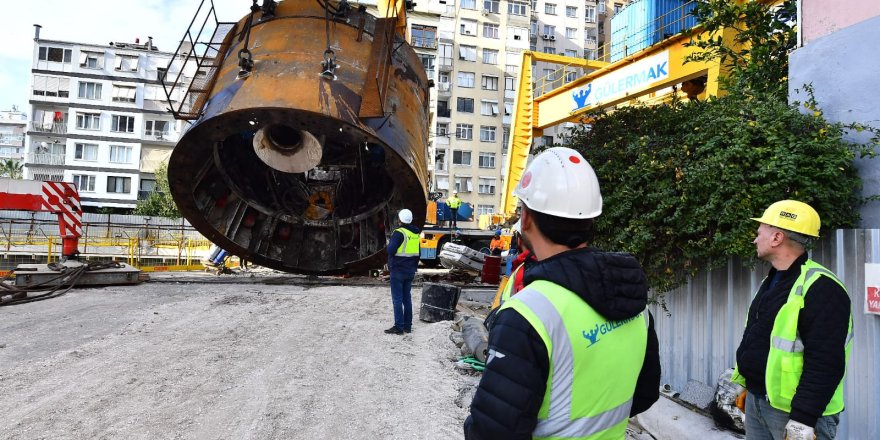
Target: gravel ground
x,y
226,361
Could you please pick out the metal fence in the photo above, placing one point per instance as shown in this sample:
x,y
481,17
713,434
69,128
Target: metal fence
x,y
703,323
138,240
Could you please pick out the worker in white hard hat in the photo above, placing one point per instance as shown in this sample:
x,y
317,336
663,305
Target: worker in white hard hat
x,y
574,354
403,260
798,335
453,202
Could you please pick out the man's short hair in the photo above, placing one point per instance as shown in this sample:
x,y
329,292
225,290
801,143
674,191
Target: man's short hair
x,y
568,232
803,240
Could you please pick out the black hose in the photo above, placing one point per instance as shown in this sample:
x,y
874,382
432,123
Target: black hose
x,y
67,279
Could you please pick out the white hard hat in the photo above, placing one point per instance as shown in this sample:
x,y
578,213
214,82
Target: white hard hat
x,y
405,216
560,182
454,192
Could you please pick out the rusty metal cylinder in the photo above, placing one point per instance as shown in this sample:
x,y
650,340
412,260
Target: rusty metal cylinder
x,y
294,168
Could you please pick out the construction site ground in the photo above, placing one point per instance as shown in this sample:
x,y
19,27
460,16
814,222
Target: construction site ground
x,y
246,356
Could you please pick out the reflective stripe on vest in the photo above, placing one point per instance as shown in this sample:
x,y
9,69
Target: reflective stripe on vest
x,y
580,402
410,245
453,202
785,361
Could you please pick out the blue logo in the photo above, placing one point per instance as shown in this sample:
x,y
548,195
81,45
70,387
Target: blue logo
x,y
604,329
580,96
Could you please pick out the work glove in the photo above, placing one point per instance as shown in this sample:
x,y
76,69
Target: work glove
x,y
741,401
798,431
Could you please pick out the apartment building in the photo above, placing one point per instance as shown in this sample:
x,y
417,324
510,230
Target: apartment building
x,y
13,124
99,119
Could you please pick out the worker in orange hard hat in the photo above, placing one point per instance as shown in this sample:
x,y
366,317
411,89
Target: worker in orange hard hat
x,y
798,335
574,354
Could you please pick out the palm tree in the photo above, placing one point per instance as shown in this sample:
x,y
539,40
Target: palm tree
x,y
11,168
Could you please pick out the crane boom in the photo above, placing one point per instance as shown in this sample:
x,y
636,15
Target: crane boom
x,y
61,198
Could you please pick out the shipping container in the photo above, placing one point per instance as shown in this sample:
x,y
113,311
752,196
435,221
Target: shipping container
x,y
644,23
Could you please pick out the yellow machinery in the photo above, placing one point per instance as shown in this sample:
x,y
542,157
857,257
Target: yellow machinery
x,y
636,77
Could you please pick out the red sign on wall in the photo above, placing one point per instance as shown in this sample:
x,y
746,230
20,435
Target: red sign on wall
x,y
872,299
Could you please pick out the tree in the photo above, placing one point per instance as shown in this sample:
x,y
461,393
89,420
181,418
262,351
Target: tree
x,y
11,168
680,181
159,203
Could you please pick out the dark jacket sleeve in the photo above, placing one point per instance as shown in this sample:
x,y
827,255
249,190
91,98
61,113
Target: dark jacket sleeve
x,y
393,243
648,384
510,393
823,325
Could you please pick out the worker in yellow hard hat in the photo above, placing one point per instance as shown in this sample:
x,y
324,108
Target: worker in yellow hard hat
x,y
574,354
798,335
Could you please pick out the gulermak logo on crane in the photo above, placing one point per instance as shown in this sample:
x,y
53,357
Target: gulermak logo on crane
x,y
622,82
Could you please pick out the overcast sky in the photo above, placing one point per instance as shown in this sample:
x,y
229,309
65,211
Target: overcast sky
x,y
90,21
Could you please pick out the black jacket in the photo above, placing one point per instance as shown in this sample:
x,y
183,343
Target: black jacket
x,y
401,265
512,388
822,325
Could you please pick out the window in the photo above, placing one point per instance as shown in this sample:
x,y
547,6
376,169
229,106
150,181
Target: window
x,y
505,140
492,6
51,86
158,129
517,7
590,54
442,182
88,121
549,29
160,73
469,4
468,27
547,140
509,83
490,30
571,33
465,105
488,108
84,183
442,129
424,36
120,154
127,62
571,11
467,53
550,8
508,108
44,175
124,94
518,34
89,90
440,160
486,186
54,54
464,131
487,134
85,152
490,56
571,53
490,82
91,60
570,76
601,5
465,79
485,209
123,124
549,75
463,184
118,184
443,109
590,14
461,157
550,50
445,53
428,63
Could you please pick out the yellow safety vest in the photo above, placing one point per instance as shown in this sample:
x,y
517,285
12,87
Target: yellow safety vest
x,y
785,362
453,202
410,245
594,363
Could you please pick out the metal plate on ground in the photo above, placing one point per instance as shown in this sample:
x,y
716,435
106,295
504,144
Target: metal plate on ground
x,y
37,274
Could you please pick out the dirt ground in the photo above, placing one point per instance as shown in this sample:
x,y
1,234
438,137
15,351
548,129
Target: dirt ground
x,y
176,360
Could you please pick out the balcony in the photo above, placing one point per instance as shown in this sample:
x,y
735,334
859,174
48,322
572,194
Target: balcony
x,y
45,159
444,64
444,113
14,140
14,155
444,89
159,135
425,43
51,127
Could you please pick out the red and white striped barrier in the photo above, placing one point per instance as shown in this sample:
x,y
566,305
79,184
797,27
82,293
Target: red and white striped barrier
x,y
61,198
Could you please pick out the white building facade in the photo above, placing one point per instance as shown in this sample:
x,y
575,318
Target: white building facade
x,y
13,125
99,119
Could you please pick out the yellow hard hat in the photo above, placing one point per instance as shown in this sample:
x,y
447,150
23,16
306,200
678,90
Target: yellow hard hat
x,y
792,215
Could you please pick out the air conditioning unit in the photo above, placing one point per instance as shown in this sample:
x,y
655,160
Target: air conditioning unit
x,y
485,12
546,36
553,38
